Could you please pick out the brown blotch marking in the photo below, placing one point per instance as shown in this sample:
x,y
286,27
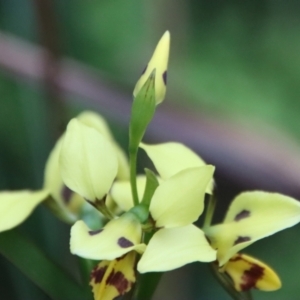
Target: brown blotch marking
x,y
97,274
94,232
98,203
119,281
241,239
145,69
66,194
120,258
242,215
236,258
164,75
251,276
124,243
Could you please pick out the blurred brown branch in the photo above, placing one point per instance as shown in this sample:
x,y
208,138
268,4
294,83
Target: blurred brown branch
x,y
50,40
248,160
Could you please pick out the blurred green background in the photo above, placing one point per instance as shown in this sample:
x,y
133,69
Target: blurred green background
x,y
237,60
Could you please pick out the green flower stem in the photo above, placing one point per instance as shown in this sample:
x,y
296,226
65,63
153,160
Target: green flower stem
x,y
210,211
146,283
39,268
151,185
132,159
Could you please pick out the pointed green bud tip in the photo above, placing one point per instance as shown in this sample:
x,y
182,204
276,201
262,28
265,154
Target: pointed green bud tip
x,y
158,61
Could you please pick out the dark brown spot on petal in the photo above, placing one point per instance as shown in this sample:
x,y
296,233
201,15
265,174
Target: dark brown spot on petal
x,y
94,232
124,243
119,281
251,276
241,239
242,215
165,77
97,274
66,194
145,69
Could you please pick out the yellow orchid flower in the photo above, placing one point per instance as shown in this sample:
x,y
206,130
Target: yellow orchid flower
x,y
16,206
176,204
67,200
159,63
250,217
89,167
168,161
67,204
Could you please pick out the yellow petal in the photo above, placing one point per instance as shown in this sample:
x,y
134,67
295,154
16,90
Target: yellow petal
x,y
111,279
252,216
15,207
117,238
97,122
53,180
88,161
158,61
179,201
171,158
175,247
121,192
247,272
63,202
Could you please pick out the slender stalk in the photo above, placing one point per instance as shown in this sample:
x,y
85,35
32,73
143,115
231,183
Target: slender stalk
x,y
146,283
101,206
210,211
107,213
132,159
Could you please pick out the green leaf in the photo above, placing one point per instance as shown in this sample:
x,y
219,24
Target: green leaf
x,y
151,185
39,268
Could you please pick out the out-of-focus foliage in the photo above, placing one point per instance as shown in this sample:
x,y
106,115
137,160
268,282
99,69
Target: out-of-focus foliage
x,y
235,58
